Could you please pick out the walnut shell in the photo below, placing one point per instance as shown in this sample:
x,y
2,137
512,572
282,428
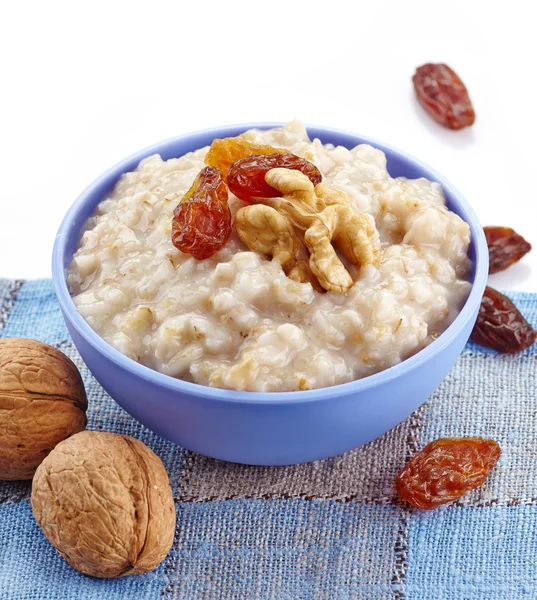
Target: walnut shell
x,y
104,501
42,402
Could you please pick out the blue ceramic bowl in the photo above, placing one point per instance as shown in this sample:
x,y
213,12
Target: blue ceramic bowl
x,y
267,428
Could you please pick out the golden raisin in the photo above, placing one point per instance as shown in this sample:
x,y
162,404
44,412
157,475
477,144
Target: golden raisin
x,y
223,153
201,223
445,470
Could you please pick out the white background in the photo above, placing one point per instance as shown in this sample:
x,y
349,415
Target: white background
x,y
85,84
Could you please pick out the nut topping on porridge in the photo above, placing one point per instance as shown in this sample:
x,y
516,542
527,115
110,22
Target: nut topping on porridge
x,y
263,229
326,217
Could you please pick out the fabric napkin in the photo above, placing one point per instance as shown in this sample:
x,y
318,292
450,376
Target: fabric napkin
x,y
331,529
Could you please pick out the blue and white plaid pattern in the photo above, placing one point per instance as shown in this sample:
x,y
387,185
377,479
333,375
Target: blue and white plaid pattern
x,y
329,530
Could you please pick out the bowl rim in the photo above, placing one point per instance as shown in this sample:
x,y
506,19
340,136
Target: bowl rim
x,y
264,398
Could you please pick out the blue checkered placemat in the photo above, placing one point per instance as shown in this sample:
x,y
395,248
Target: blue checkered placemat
x,y
327,530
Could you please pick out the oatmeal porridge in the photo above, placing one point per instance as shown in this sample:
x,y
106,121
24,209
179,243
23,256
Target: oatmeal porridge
x,y
327,301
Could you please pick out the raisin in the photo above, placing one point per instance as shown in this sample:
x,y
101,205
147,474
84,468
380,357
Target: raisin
x,y
506,247
443,95
500,325
445,469
202,220
246,177
223,153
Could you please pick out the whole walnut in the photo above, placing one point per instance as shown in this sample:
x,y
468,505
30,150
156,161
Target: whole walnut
x,y
42,402
104,501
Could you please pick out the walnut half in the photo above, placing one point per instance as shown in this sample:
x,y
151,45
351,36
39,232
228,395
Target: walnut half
x,y
321,218
105,503
42,402
264,230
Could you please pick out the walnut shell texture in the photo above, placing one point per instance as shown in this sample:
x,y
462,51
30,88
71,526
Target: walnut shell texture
x,y
42,402
104,501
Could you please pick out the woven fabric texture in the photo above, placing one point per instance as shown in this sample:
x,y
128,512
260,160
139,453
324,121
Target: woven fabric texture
x,y
327,530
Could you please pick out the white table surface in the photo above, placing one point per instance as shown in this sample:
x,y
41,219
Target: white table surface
x,y
84,85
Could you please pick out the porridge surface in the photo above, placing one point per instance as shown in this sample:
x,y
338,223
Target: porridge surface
x,y
235,320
